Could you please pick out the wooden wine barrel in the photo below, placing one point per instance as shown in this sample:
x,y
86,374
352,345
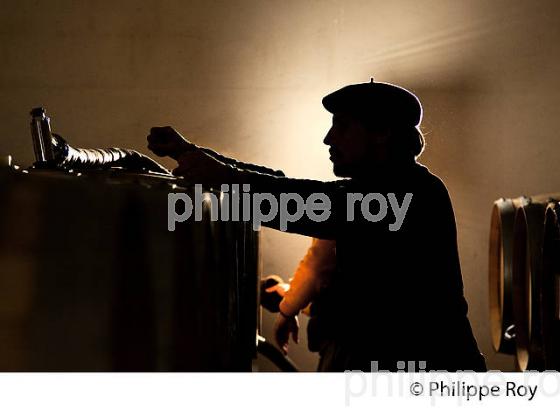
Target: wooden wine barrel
x,y
528,281
91,279
551,286
500,273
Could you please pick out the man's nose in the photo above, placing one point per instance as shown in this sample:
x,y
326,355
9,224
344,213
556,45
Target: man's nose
x,y
328,138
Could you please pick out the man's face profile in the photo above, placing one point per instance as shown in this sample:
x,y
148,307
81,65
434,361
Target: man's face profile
x,y
350,145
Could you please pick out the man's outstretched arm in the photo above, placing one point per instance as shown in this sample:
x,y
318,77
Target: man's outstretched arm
x,y
199,166
166,141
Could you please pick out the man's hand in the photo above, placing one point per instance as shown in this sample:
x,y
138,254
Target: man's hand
x,y
272,290
283,326
280,288
194,164
166,141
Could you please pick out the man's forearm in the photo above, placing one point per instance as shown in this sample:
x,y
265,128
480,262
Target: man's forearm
x,y
244,166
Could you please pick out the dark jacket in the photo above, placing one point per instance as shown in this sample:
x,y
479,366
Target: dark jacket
x,y
396,295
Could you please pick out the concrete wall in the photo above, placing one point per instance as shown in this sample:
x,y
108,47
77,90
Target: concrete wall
x,y
246,77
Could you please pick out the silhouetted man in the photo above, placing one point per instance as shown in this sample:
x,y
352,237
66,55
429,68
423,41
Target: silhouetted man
x,y
397,293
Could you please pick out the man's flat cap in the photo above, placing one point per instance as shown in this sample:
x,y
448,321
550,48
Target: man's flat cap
x,y
383,102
